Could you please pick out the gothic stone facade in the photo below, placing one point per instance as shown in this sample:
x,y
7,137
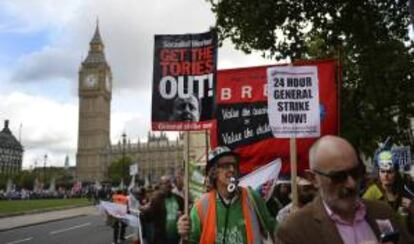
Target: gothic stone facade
x,y
11,152
95,90
156,157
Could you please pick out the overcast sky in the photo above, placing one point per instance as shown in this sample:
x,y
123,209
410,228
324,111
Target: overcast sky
x,y
43,42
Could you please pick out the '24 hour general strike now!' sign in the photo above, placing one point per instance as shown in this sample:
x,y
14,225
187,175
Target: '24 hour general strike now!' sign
x,y
184,81
293,101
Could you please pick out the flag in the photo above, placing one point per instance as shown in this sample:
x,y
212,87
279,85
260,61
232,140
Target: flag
x,y
263,179
242,122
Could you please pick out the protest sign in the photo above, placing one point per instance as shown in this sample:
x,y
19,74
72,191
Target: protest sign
x,y
402,155
242,121
293,101
133,169
184,79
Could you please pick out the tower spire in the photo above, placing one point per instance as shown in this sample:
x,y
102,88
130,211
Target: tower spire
x,y
96,39
96,53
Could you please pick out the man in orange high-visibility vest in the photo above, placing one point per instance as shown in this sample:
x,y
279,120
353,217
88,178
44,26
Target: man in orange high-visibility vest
x,y
119,227
227,213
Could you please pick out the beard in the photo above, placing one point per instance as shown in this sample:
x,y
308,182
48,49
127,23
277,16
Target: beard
x,y
344,200
347,193
305,198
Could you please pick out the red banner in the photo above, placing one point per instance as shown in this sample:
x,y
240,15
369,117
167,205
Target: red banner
x,y
242,123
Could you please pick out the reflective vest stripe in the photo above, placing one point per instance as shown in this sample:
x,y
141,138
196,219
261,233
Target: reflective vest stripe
x,y
207,216
208,220
201,207
252,223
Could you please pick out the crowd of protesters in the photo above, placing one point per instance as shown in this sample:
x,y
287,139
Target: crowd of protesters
x,y
25,194
338,202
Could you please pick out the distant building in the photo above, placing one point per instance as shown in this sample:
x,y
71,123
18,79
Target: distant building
x,y
156,157
11,151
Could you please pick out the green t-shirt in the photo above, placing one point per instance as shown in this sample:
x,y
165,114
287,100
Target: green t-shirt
x,y
236,228
171,206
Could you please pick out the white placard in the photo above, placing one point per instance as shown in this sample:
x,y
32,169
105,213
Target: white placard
x,y
293,101
133,169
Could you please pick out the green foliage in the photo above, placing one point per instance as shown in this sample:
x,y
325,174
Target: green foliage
x,y
370,37
25,180
120,169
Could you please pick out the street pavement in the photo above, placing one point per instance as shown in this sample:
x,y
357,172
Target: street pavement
x,y
89,229
31,219
80,226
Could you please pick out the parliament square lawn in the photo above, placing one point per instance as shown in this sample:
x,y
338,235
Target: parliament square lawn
x,y
20,206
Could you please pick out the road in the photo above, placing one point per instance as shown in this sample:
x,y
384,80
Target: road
x,y
89,229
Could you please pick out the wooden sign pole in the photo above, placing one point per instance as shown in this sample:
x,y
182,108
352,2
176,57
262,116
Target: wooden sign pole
x,y
186,176
293,172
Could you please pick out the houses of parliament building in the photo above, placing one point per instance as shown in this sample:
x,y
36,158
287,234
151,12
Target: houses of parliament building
x,y
155,157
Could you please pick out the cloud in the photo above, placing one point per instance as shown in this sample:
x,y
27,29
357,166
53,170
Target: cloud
x,y
21,16
48,64
128,28
46,125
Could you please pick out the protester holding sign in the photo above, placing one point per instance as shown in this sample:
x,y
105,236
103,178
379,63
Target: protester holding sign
x,y
227,213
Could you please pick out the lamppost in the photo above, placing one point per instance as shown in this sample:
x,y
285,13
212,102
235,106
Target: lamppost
x,y
34,169
123,157
44,168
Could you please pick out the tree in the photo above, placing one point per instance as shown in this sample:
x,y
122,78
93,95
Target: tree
x,y
25,179
120,169
370,37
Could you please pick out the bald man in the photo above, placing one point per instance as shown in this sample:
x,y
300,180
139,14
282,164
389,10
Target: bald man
x,y
338,215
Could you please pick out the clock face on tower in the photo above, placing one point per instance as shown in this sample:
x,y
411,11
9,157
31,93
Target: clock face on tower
x,y
91,80
108,83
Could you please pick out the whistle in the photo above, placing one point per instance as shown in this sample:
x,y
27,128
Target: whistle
x,y
233,185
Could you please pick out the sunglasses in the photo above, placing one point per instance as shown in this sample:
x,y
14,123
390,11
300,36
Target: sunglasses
x,y
341,176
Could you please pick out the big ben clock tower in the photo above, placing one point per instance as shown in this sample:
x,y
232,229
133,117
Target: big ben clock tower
x,y
95,88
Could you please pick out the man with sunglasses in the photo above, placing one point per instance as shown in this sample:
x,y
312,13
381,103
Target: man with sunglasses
x,y
227,213
338,215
